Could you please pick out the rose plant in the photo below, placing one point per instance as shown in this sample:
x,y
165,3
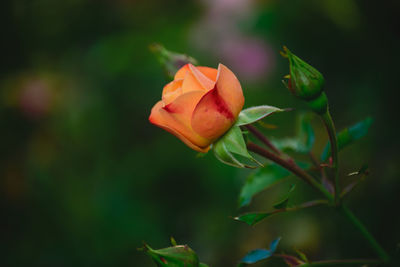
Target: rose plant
x,y
202,106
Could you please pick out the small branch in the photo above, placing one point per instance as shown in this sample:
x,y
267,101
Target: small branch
x,y
262,138
291,166
324,180
304,205
314,160
330,127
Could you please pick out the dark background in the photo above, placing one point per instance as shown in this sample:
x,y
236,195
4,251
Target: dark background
x,y
85,178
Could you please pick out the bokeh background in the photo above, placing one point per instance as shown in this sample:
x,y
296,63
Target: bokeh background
x,y
84,177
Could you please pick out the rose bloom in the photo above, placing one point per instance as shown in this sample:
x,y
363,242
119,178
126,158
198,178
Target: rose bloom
x,y
199,105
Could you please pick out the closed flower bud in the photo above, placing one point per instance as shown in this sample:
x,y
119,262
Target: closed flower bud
x,y
306,82
199,105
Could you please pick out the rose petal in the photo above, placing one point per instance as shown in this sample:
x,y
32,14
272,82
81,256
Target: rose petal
x,y
180,74
176,116
156,119
218,109
190,83
206,82
229,89
171,91
211,73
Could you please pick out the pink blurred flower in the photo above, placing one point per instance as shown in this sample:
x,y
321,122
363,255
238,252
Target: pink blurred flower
x,y
251,57
217,32
35,98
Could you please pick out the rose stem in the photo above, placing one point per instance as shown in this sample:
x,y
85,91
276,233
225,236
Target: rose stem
x,y
262,138
364,231
289,165
330,127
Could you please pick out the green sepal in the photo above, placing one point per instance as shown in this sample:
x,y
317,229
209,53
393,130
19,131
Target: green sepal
x,y
253,114
231,145
170,61
348,136
320,104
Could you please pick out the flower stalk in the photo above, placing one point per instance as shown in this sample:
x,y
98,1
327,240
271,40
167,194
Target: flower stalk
x,y
364,231
330,127
291,166
262,138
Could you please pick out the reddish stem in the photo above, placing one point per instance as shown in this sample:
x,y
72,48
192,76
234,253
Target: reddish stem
x,y
262,138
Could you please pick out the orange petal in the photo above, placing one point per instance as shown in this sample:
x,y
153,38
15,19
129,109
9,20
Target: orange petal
x,y
156,119
176,117
180,74
229,89
171,91
206,82
190,83
218,109
204,75
211,73
212,117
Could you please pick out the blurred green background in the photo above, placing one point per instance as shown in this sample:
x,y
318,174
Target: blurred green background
x,y
85,178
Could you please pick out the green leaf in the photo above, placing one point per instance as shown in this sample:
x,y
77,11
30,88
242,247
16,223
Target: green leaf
x,y
255,217
175,256
283,203
260,254
260,180
252,218
304,139
253,114
348,136
231,144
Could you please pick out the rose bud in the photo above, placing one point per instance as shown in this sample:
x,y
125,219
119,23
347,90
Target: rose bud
x,y
306,82
199,105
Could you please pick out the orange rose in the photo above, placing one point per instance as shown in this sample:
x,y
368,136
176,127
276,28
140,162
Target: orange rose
x,y
199,105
